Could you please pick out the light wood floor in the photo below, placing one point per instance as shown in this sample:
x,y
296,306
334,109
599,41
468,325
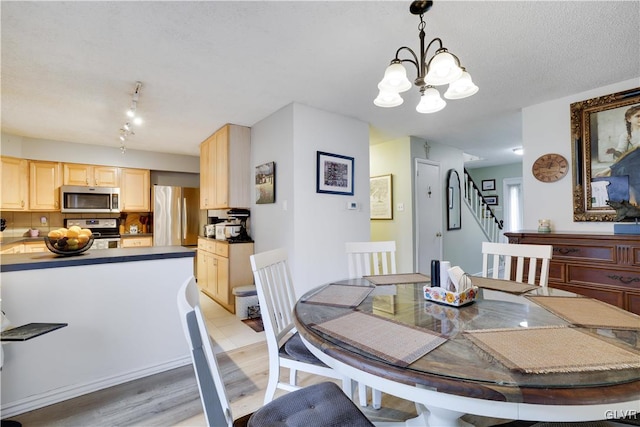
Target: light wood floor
x,y
172,399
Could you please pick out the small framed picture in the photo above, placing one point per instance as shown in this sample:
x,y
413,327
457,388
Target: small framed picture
x,y
488,184
381,197
266,183
491,200
334,174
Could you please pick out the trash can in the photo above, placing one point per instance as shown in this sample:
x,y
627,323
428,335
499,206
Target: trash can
x,y
246,296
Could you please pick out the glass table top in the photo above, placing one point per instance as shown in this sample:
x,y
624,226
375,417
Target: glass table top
x,y
459,358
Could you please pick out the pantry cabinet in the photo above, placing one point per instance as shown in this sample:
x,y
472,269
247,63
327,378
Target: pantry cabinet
x,y
221,267
45,179
92,175
15,184
135,190
225,169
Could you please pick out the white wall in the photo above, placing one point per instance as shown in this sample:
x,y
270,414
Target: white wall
x,y
61,151
314,226
546,128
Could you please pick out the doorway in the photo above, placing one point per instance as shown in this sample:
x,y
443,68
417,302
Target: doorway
x,y
428,214
513,204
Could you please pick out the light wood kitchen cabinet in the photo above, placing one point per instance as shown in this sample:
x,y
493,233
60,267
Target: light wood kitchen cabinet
x,y
45,179
136,242
12,248
135,190
92,175
225,169
35,247
207,184
221,267
15,184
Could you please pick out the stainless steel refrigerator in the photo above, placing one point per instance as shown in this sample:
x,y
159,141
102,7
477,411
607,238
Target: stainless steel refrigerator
x,y
176,212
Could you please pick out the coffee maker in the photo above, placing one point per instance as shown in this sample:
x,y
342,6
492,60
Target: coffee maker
x,y
240,216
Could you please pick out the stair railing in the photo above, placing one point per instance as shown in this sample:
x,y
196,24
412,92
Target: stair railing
x,y
481,210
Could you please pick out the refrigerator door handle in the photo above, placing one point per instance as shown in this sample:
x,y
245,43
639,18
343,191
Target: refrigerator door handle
x,y
184,218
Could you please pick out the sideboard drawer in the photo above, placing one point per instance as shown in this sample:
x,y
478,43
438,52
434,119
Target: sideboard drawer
x,y
601,276
592,253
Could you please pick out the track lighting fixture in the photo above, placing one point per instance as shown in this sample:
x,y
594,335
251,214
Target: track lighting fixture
x,y
134,119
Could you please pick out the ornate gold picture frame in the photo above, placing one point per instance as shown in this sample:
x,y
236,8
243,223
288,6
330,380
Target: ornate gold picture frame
x,y
605,154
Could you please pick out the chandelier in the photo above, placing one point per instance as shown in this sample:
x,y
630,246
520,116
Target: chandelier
x,y
440,69
133,118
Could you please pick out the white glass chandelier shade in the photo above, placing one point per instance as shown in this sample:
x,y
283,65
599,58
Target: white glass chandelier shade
x,y
430,101
442,69
395,79
461,88
388,99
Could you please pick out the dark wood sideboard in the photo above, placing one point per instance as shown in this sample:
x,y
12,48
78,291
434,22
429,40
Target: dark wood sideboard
x,y
604,266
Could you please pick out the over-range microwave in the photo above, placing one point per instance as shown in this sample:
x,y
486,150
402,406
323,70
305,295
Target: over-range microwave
x,y
81,199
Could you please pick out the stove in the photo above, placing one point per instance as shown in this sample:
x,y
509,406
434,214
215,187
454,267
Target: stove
x,y
105,231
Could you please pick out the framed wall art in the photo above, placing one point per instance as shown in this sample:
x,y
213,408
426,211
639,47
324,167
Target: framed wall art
x,y
266,183
488,184
491,200
605,134
381,197
334,174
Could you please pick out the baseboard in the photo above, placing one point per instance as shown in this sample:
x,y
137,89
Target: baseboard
x,y
50,397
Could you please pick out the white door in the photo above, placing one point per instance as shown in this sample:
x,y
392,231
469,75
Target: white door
x,y
428,203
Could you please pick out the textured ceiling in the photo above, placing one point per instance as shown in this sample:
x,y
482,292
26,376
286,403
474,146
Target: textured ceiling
x,y
69,68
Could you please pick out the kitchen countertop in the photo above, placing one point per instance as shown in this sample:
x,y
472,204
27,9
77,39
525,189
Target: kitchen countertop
x,y
40,260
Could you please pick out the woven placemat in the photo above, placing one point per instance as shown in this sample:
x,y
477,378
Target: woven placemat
x,y
502,285
396,279
588,312
340,295
553,349
389,340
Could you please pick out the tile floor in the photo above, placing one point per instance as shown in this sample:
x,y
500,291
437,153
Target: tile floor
x,y
226,329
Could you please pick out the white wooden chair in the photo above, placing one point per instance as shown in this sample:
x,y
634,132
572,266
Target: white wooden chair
x,y
366,259
321,404
276,296
503,253
371,258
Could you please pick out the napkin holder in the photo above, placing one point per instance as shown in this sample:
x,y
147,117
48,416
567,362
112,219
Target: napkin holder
x,y
454,299
460,290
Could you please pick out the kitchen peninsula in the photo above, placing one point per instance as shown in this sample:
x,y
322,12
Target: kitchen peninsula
x,y
120,306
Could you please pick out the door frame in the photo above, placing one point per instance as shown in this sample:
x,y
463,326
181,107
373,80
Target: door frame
x,y
416,213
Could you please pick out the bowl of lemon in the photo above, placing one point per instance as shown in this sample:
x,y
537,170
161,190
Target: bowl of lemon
x,y
69,241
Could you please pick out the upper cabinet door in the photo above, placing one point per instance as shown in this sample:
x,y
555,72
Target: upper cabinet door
x,y
207,177
15,177
91,175
44,186
135,190
225,175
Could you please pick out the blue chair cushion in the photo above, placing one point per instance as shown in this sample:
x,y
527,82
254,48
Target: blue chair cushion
x,y
321,404
294,348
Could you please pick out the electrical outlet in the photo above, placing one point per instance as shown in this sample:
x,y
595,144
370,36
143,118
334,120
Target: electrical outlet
x,y
43,220
352,205
400,207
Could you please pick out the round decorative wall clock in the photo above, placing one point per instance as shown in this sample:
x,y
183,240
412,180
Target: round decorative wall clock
x,y
550,167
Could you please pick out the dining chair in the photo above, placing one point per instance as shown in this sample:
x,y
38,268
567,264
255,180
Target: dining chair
x,y
322,404
371,258
365,259
276,297
497,261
